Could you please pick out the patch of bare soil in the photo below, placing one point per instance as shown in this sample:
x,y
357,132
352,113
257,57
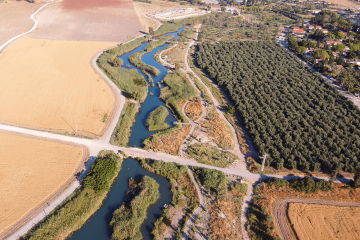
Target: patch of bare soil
x,y
317,222
217,128
89,20
175,214
345,3
194,109
169,141
271,195
15,19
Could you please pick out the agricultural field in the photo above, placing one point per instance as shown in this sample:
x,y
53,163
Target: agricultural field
x,y
33,171
345,3
15,18
290,112
269,193
93,20
313,221
55,86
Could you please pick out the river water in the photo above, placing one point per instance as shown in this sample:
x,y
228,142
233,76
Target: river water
x,y
139,131
97,227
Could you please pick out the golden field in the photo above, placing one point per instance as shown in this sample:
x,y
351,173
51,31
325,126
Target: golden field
x,y
318,222
49,83
30,171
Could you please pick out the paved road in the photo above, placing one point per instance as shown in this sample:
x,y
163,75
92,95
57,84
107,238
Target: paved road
x,y
280,212
95,146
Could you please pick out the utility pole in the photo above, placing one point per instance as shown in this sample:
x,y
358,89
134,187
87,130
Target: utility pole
x,y
75,128
263,163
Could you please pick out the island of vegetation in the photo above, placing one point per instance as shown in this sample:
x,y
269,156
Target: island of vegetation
x,y
72,214
126,220
156,119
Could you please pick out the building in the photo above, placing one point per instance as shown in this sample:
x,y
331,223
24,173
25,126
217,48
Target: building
x,y
298,32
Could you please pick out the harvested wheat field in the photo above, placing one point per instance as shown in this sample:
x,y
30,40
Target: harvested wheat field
x,y
15,19
89,20
48,84
31,170
318,222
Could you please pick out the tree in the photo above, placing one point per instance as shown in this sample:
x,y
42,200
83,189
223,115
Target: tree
x,y
319,33
330,36
322,54
340,35
136,95
177,66
208,7
339,47
117,62
354,47
223,9
151,31
312,7
230,109
301,50
356,182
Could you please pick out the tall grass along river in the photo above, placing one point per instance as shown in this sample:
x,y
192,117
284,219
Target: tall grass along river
x,y
98,225
139,132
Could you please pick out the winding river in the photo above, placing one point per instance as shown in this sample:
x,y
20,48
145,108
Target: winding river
x,y
97,227
139,132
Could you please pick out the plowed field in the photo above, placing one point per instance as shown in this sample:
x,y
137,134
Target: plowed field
x,y
318,222
15,19
30,171
89,20
48,84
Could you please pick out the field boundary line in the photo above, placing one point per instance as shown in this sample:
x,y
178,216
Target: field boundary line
x,y
279,214
36,22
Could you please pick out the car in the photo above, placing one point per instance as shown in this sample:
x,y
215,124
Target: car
x,y
356,95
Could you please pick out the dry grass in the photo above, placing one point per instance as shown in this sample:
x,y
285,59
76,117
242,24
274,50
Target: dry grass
x,y
15,18
49,83
194,109
346,3
272,195
161,141
317,222
217,128
30,171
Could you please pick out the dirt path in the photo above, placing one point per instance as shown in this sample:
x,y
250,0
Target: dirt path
x,y
281,214
191,220
32,29
237,150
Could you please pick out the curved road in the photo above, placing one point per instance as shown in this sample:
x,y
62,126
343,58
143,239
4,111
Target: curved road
x,y
280,214
95,146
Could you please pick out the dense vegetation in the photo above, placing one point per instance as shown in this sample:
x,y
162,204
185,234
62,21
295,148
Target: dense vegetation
x,y
207,154
177,89
135,59
183,190
70,215
157,42
225,27
260,224
156,119
121,134
126,220
130,82
290,112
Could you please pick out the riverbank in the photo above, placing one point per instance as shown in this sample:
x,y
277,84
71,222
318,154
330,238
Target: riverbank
x,y
82,204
